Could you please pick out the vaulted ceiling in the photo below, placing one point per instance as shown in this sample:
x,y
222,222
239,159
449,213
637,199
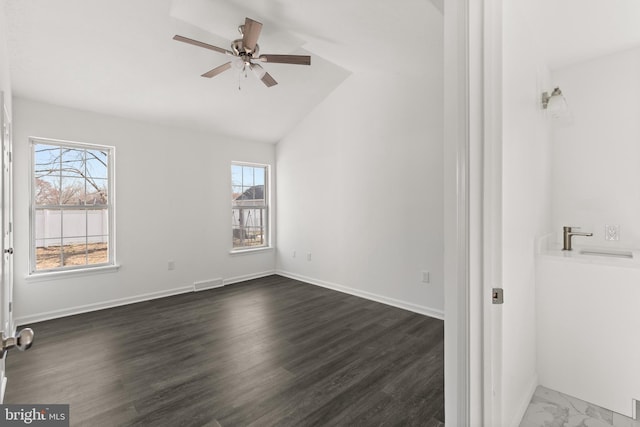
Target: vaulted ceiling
x,y
117,56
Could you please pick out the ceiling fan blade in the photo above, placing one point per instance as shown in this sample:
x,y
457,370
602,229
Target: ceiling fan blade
x,y
262,74
219,69
251,33
287,59
268,80
201,44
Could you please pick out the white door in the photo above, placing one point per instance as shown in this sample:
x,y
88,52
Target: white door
x,y
6,312
6,285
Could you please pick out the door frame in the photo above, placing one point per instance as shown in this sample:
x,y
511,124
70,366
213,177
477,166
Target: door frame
x,y
473,221
492,211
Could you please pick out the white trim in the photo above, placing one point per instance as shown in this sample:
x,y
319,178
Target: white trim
x,y
204,285
3,388
111,197
269,203
524,403
420,309
63,274
244,278
55,314
492,214
459,88
39,317
250,250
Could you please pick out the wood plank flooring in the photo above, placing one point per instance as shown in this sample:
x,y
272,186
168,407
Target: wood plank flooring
x,y
267,352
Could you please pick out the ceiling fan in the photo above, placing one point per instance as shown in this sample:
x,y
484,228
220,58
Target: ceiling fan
x,y
246,53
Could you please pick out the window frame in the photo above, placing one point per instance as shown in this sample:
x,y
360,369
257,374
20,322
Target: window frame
x,y
266,207
110,207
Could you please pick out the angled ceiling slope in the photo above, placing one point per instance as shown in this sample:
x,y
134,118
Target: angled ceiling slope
x,y
119,58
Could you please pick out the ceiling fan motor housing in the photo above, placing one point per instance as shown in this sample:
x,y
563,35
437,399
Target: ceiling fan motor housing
x,y
237,46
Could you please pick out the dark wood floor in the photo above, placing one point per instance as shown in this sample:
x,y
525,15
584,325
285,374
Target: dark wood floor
x,y
268,352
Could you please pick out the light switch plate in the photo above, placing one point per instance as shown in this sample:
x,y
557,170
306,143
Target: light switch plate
x,y
612,232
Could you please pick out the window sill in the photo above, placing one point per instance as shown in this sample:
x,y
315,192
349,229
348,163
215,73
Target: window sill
x,y
54,275
250,251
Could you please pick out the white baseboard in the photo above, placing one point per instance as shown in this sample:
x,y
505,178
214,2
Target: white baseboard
x,y
524,402
244,278
100,305
207,284
420,309
39,317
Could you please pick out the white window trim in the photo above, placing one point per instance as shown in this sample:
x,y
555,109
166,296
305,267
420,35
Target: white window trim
x,y
112,265
269,223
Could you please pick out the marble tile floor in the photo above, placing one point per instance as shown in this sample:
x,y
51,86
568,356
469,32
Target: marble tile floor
x,y
549,408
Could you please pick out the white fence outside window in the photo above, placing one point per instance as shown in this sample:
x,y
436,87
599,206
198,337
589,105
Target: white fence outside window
x,y
70,226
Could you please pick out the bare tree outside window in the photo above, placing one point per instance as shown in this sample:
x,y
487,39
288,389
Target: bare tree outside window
x,y
71,206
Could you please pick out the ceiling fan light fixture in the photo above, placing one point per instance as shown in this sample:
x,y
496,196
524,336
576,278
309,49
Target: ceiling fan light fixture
x,y
258,70
237,63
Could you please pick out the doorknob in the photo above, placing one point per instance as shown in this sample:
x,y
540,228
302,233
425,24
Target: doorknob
x,y
9,251
22,341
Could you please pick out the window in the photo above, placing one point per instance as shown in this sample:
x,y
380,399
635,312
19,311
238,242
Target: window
x,y
71,206
249,206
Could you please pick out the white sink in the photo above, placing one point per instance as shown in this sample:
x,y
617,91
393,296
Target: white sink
x,y
607,253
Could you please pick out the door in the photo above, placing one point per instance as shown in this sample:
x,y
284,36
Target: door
x,y
6,308
6,285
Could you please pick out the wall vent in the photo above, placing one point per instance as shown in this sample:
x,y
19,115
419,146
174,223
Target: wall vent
x,y
207,284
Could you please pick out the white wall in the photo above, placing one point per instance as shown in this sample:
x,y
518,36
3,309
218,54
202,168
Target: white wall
x,y
596,155
526,210
183,174
361,188
5,80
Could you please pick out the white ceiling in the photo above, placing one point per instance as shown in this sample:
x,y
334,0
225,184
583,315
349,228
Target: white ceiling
x,y
572,31
118,57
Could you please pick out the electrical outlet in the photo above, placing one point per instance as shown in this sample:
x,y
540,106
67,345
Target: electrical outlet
x,y
293,254
171,265
425,277
308,256
612,232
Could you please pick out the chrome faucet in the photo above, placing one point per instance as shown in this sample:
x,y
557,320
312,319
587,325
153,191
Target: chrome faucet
x,y
568,233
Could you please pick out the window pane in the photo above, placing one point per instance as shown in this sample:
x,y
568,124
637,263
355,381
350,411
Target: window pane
x,y
48,225
97,222
74,251
236,175
97,191
248,226
249,206
72,191
47,190
73,162
259,176
46,160
247,176
236,191
74,224
73,182
96,164
48,254
98,250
